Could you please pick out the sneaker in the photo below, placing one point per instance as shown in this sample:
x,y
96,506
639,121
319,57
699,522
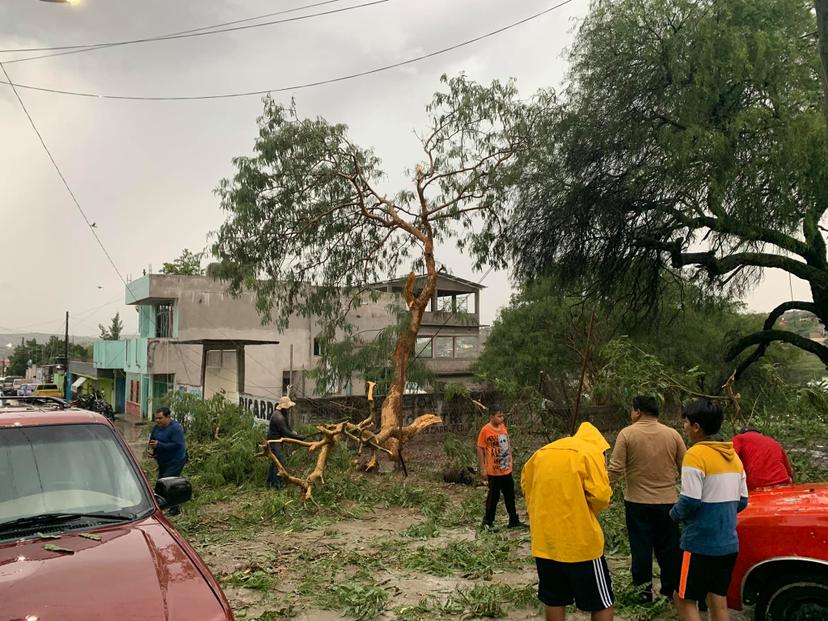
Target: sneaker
x,y
487,526
518,524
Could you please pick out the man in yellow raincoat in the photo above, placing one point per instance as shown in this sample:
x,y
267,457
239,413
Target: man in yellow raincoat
x,y
566,486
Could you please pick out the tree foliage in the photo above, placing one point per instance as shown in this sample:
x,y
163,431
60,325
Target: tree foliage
x,y
309,229
188,264
691,135
539,341
113,332
44,353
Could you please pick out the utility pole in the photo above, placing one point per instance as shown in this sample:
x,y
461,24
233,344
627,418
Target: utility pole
x,y
66,390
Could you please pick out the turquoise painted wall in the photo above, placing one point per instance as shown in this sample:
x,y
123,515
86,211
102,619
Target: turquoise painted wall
x,y
136,355
109,354
138,289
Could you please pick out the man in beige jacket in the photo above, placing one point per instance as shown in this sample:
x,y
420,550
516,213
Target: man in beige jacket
x,y
648,455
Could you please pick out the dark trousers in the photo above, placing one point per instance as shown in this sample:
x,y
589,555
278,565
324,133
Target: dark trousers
x,y
497,484
273,478
652,530
170,470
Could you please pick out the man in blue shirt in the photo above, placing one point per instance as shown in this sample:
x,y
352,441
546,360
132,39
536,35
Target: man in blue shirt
x,y
168,446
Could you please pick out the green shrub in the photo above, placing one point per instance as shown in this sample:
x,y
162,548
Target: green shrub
x,y
223,440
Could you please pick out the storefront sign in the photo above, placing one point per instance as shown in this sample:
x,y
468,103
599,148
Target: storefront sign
x,y
261,407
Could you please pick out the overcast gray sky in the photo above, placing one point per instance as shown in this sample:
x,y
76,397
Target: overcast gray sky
x,y
144,172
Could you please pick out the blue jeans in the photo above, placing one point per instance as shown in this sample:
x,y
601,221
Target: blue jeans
x,y
273,478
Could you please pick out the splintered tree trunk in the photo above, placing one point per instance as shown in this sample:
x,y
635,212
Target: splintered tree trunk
x,y
392,434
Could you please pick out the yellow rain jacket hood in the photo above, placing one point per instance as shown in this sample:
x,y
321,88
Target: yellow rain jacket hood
x,y
566,486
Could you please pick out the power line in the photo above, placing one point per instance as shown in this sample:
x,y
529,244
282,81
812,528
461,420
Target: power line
x,y
62,178
294,87
196,32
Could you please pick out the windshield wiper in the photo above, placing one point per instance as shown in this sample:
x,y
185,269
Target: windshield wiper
x,y
54,518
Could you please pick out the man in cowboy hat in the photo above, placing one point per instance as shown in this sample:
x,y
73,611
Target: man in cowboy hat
x,y
279,428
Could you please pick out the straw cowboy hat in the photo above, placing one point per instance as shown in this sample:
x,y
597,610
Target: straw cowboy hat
x,y
285,403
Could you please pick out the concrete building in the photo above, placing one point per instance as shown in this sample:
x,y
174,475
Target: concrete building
x,y
194,336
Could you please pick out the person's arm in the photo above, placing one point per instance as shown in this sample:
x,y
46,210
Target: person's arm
x,y
481,460
681,451
743,494
177,436
618,460
692,481
163,445
284,430
596,484
526,480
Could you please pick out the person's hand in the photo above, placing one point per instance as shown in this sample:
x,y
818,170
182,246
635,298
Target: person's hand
x,y
484,477
154,443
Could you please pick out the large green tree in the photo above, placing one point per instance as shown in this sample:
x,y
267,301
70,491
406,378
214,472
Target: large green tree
x,y
309,228
691,136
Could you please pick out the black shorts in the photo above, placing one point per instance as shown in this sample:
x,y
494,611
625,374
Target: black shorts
x,y
588,583
702,574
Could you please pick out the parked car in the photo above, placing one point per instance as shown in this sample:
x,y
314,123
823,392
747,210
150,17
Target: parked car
x,y
7,384
782,567
17,383
82,535
47,390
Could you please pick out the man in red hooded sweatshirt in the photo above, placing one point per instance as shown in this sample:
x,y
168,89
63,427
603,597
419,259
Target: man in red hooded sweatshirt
x,y
764,459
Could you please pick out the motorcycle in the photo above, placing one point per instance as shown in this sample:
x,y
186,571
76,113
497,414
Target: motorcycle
x,y
95,402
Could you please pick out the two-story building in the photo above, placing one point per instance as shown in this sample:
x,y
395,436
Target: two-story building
x,y
194,336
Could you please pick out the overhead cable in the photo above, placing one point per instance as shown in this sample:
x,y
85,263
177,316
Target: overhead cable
x,y
293,87
195,32
63,179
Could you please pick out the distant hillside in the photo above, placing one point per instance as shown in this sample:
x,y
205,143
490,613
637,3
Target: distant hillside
x,y
43,337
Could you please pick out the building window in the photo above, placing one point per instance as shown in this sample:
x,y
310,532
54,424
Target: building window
x,y
163,320
317,346
424,348
444,347
465,346
213,359
286,382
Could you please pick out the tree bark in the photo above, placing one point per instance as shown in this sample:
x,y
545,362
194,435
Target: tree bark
x,y
770,321
391,433
768,336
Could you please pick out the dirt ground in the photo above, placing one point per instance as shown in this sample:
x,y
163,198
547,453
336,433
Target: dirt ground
x,y
274,570
387,548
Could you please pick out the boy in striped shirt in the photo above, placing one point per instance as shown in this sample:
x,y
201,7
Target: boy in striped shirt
x,y
713,491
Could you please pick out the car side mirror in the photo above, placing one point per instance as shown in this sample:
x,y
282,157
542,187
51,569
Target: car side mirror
x,y
173,491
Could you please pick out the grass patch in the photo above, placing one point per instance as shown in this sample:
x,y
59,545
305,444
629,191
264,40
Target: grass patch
x,y
257,580
358,601
426,530
481,601
628,603
472,559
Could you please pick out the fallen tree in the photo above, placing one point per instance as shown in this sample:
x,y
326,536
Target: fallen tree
x,y
309,231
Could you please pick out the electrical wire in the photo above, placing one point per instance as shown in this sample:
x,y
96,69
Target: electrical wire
x,y
294,87
196,32
62,177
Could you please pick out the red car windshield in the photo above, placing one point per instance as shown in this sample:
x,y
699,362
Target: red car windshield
x,y
67,469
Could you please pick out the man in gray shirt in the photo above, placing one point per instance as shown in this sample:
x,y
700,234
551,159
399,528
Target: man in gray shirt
x,y
648,455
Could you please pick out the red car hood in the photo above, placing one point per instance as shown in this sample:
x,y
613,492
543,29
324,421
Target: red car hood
x,y
137,571
803,498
